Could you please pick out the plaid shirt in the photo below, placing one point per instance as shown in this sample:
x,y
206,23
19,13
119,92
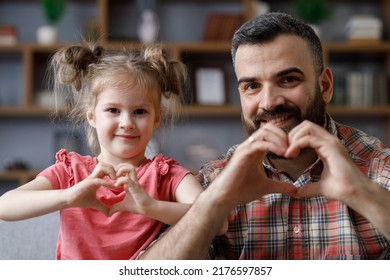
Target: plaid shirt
x,y
278,226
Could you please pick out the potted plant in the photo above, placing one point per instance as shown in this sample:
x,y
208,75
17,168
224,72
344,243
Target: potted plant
x,y
53,10
313,12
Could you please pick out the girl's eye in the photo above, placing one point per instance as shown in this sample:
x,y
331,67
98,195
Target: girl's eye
x,y
140,111
113,110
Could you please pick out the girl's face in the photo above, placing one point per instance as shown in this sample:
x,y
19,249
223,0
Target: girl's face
x,y
124,119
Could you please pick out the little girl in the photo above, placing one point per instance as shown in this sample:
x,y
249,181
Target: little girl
x,y
112,205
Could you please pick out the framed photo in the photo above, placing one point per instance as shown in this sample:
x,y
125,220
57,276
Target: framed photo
x,y
210,85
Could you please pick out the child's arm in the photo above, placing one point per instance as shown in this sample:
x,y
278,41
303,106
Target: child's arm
x,y
32,199
38,197
171,212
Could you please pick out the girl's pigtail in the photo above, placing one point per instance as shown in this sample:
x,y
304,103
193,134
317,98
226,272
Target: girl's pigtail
x,y
72,64
172,79
71,67
72,70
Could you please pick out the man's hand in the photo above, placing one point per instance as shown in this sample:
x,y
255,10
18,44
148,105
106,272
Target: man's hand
x,y
340,176
244,179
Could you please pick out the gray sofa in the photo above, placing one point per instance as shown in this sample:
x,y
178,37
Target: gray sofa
x,y
32,239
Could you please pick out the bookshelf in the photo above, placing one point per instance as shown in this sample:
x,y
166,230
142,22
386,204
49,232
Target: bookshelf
x,y
364,57
24,63
183,23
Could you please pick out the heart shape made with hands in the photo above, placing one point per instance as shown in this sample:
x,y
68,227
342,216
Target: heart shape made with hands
x,y
109,196
305,135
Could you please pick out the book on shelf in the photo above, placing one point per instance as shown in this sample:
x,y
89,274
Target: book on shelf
x,y
221,26
8,35
365,88
364,21
364,27
364,34
338,97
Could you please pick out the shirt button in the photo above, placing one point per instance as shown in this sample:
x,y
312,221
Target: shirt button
x,y
296,230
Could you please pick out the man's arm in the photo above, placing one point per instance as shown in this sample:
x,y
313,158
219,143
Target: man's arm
x,y
191,237
373,201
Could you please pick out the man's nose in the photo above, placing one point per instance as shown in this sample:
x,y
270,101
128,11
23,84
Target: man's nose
x,y
270,98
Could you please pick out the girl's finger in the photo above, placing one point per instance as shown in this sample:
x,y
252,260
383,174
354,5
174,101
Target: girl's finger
x,y
102,169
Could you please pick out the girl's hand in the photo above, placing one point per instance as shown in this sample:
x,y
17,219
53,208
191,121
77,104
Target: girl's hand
x,y
83,194
136,200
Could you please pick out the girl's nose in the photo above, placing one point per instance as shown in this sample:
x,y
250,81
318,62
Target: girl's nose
x,y
126,123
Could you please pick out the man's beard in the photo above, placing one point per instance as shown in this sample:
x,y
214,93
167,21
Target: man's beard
x,y
315,113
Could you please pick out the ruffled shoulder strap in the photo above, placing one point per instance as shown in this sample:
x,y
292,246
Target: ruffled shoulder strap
x,y
160,165
73,162
62,156
164,163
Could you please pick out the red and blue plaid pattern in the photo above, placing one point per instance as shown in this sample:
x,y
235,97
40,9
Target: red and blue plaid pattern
x,y
277,226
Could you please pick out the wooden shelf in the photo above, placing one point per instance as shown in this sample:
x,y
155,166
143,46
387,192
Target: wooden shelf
x,y
28,111
204,111
235,110
360,111
358,46
213,111
30,47
21,176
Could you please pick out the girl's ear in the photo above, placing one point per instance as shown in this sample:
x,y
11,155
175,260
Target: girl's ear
x,y
91,118
157,119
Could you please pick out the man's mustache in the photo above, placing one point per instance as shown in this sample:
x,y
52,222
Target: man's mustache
x,y
258,118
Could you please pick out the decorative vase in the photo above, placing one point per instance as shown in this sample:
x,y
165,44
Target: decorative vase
x,y
47,34
148,26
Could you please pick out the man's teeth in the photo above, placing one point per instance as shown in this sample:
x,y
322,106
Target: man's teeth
x,y
280,119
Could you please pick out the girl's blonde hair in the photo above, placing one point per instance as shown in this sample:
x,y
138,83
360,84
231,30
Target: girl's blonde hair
x,y
82,72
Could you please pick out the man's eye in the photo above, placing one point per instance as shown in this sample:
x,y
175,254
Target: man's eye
x,y
253,86
249,87
290,80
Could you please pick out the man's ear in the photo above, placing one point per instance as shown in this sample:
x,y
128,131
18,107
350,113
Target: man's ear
x,y
91,118
326,84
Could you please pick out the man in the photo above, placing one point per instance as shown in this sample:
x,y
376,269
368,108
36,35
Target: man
x,y
301,186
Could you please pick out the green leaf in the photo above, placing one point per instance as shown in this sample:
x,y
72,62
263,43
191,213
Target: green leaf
x,y
54,9
312,11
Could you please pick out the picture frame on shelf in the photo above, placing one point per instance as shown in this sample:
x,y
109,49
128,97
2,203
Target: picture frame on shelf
x,y
210,85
